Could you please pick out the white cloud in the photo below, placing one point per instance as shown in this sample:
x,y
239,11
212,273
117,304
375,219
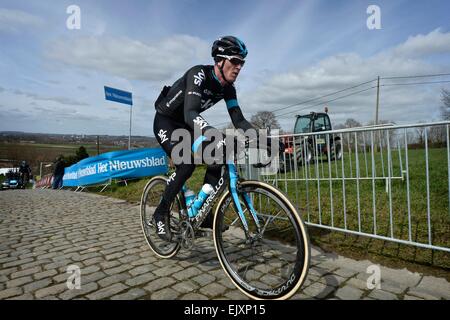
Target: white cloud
x,y
61,100
14,21
421,45
398,103
128,58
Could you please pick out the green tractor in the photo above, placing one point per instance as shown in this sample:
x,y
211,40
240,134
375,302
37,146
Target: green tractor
x,y
308,148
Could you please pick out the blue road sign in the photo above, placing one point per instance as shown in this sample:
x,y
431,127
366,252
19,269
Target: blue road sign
x,y
117,95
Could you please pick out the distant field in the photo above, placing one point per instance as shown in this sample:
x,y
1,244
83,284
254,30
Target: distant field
x,y
35,153
43,145
92,148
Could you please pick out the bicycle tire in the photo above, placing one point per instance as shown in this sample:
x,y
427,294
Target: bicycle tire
x,y
302,260
156,245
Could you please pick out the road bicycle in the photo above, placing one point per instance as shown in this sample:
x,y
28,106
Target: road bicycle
x,y
260,239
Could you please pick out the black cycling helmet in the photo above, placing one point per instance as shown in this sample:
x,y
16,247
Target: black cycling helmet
x,y
229,46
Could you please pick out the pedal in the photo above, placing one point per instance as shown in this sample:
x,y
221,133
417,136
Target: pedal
x,y
203,233
187,235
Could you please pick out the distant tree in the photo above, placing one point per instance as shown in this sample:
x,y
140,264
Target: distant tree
x,y
420,132
265,119
348,139
437,135
339,126
445,109
70,160
380,137
79,155
352,123
82,153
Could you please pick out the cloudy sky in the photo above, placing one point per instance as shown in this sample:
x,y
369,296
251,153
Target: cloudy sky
x,y
52,77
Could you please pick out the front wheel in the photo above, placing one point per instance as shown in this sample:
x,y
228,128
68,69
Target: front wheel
x,y
271,259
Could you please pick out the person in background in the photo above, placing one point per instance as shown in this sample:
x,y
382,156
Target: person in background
x,y
58,173
25,172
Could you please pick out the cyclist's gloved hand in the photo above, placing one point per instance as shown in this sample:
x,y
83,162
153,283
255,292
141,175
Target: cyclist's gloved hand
x,y
213,137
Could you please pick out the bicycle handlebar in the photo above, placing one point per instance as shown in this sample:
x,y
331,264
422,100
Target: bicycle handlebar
x,y
247,144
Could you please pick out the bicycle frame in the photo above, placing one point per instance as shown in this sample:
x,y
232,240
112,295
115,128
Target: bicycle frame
x,y
230,177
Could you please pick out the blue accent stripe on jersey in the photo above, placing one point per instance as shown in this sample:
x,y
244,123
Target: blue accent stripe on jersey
x,y
215,77
197,143
232,103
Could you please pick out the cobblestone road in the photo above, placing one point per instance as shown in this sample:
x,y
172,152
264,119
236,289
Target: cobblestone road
x,y
42,232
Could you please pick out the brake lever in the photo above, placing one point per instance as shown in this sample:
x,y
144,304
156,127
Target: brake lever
x,y
260,165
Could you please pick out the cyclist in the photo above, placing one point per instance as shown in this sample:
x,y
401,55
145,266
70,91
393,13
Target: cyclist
x,y
179,107
25,172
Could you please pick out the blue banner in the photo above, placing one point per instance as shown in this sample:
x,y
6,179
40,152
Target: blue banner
x,y
117,95
125,164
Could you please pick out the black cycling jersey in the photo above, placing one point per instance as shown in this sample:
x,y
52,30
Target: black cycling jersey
x,y
179,106
196,91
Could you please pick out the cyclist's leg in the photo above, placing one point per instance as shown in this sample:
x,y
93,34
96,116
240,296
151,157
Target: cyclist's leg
x,y
163,128
212,174
215,162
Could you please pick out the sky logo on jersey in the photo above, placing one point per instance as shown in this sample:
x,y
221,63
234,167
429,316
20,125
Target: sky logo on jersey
x,y
199,121
171,178
221,144
199,77
162,135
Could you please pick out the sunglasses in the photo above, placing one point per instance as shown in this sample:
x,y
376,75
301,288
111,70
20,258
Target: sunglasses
x,y
233,59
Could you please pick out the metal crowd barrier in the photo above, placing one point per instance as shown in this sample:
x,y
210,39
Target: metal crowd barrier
x,y
385,182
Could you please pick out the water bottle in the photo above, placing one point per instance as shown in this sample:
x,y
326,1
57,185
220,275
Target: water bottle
x,y
201,197
189,195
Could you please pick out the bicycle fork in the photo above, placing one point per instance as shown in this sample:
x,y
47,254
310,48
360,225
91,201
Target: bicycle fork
x,y
232,170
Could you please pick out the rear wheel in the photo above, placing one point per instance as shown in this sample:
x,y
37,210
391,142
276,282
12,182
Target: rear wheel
x,y
151,196
305,154
266,263
336,150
